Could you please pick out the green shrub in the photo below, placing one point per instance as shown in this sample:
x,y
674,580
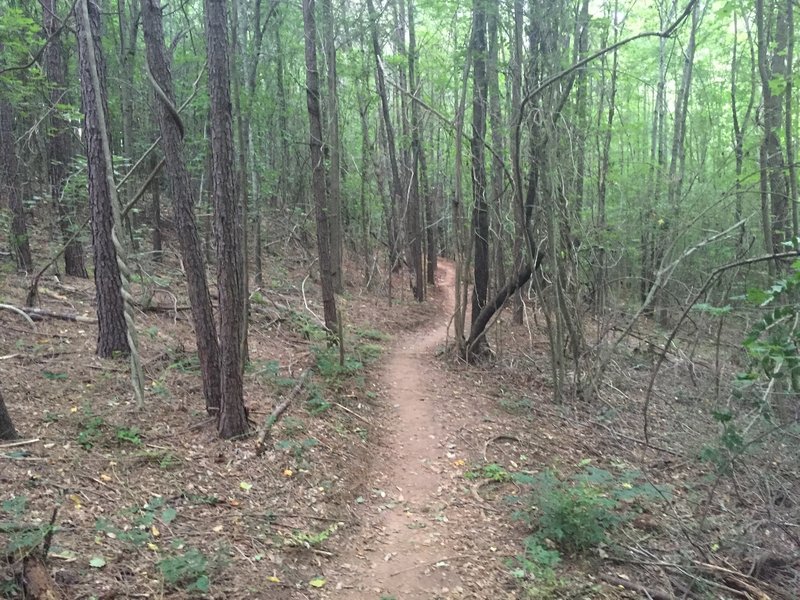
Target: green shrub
x,y
576,512
187,571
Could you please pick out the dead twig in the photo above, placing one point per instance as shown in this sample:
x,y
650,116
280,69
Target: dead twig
x,y
355,414
277,412
20,312
655,594
19,443
497,438
430,564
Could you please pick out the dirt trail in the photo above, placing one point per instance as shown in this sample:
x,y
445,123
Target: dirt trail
x,y
405,553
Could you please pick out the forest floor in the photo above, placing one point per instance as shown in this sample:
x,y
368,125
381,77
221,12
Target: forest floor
x,y
399,474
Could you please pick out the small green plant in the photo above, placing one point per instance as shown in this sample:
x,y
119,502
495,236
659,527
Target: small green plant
x,y
159,386
293,426
327,362
307,539
188,571
316,401
297,448
516,405
577,512
20,538
371,334
189,364
492,472
536,562
91,432
54,376
308,328
130,435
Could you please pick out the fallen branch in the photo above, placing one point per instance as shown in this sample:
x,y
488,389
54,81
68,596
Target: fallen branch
x,y
498,438
20,312
655,594
18,443
43,313
431,563
355,414
277,412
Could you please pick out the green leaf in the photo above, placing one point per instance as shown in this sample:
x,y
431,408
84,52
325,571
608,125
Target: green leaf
x,y
168,515
317,582
245,486
98,562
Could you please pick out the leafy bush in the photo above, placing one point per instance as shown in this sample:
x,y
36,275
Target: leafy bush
x,y
492,472
576,513
188,571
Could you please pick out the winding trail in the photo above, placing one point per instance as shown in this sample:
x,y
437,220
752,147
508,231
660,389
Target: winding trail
x,y
404,553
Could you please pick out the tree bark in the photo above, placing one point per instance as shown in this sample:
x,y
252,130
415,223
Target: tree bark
x,y
171,128
414,213
396,185
7,431
10,190
333,146
112,329
157,241
770,68
318,167
480,212
58,144
232,419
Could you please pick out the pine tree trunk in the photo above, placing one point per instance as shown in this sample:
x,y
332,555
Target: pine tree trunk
x,y
155,210
58,142
112,330
228,224
414,214
480,213
318,167
171,129
10,190
7,431
396,185
333,146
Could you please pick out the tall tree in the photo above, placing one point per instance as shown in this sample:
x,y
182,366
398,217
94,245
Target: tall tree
x,y
228,224
58,141
480,211
396,187
332,147
10,186
772,27
321,206
172,131
112,329
415,234
7,431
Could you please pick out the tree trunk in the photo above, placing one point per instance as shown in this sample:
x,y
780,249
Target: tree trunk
x,y
739,130
318,167
519,202
414,213
7,431
228,224
59,146
172,131
112,329
600,279
155,210
333,146
776,204
480,212
396,187
9,188
788,126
